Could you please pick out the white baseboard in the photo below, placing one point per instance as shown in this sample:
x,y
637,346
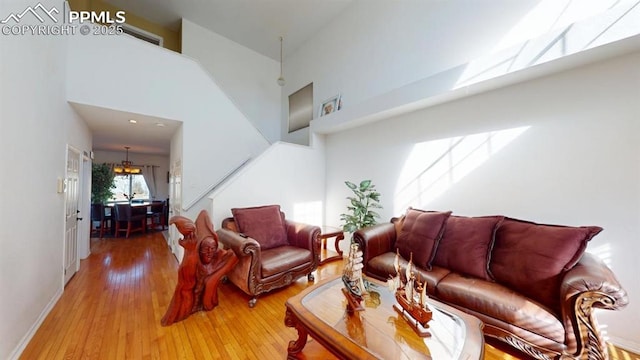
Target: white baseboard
x,y
15,354
625,344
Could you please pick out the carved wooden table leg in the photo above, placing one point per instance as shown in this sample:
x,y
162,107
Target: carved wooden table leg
x,y
295,346
326,234
337,242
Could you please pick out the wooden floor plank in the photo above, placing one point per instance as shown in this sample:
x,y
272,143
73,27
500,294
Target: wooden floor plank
x,y
111,309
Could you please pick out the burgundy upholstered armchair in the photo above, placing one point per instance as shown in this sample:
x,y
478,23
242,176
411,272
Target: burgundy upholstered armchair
x,y
273,252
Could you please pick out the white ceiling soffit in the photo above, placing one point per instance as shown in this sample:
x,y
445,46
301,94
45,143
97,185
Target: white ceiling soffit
x,y
112,130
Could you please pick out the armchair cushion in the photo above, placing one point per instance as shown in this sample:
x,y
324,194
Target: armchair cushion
x,y
282,259
265,224
531,257
419,235
466,244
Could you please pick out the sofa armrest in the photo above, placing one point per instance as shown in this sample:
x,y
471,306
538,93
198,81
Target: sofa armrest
x,y
240,245
589,284
303,235
375,240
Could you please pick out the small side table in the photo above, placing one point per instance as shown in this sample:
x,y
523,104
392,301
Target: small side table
x,y
329,232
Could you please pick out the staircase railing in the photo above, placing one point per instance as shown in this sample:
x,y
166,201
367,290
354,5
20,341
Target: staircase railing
x,y
216,184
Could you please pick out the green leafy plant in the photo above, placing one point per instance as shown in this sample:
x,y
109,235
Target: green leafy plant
x,y
360,206
101,183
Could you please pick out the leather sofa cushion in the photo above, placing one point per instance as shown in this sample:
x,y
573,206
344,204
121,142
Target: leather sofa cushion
x,y
501,303
284,258
382,265
466,243
419,235
398,223
531,258
265,224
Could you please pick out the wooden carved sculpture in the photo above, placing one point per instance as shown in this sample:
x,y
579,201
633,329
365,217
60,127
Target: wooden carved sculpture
x,y
201,269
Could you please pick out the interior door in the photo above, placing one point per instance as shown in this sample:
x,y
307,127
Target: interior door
x,y
84,205
71,194
175,203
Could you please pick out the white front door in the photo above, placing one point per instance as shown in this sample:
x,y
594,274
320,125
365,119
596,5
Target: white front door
x,y
71,195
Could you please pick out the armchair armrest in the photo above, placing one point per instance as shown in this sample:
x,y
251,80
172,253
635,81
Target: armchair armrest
x,y
241,246
303,236
375,240
589,284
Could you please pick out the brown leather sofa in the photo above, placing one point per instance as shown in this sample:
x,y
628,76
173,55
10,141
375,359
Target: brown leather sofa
x,y
531,284
273,252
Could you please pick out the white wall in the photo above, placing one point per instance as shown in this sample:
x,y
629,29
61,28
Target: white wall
x,y
248,78
145,79
289,175
399,42
162,187
577,163
36,122
375,47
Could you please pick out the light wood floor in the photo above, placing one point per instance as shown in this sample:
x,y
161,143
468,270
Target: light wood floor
x,y
112,308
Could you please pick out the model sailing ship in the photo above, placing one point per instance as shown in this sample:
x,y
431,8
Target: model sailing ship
x,y
352,278
411,297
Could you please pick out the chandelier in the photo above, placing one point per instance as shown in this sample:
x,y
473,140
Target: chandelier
x,y
126,166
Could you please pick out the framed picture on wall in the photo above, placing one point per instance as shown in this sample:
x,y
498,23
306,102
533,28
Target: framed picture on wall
x,y
330,105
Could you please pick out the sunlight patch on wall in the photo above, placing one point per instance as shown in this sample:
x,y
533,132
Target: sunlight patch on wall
x,y
603,252
551,30
550,15
309,212
433,167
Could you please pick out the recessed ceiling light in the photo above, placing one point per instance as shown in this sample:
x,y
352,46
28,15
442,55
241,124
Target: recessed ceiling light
x,y
133,121
159,124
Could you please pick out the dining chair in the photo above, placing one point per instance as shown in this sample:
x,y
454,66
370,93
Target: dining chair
x,y
156,215
100,221
135,219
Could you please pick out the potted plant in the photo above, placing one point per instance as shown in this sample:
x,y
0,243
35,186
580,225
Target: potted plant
x,y
361,205
361,214
101,183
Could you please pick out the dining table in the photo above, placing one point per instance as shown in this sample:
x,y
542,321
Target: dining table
x,y
137,208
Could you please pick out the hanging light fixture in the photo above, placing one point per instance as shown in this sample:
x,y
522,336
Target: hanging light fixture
x,y
126,166
281,78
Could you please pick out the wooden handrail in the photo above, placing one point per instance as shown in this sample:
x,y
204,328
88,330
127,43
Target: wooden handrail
x,y
215,185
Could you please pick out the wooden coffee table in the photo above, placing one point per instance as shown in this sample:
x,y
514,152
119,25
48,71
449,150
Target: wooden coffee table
x,y
378,332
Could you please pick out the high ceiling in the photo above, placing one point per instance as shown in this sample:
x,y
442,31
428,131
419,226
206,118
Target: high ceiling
x,y
256,24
